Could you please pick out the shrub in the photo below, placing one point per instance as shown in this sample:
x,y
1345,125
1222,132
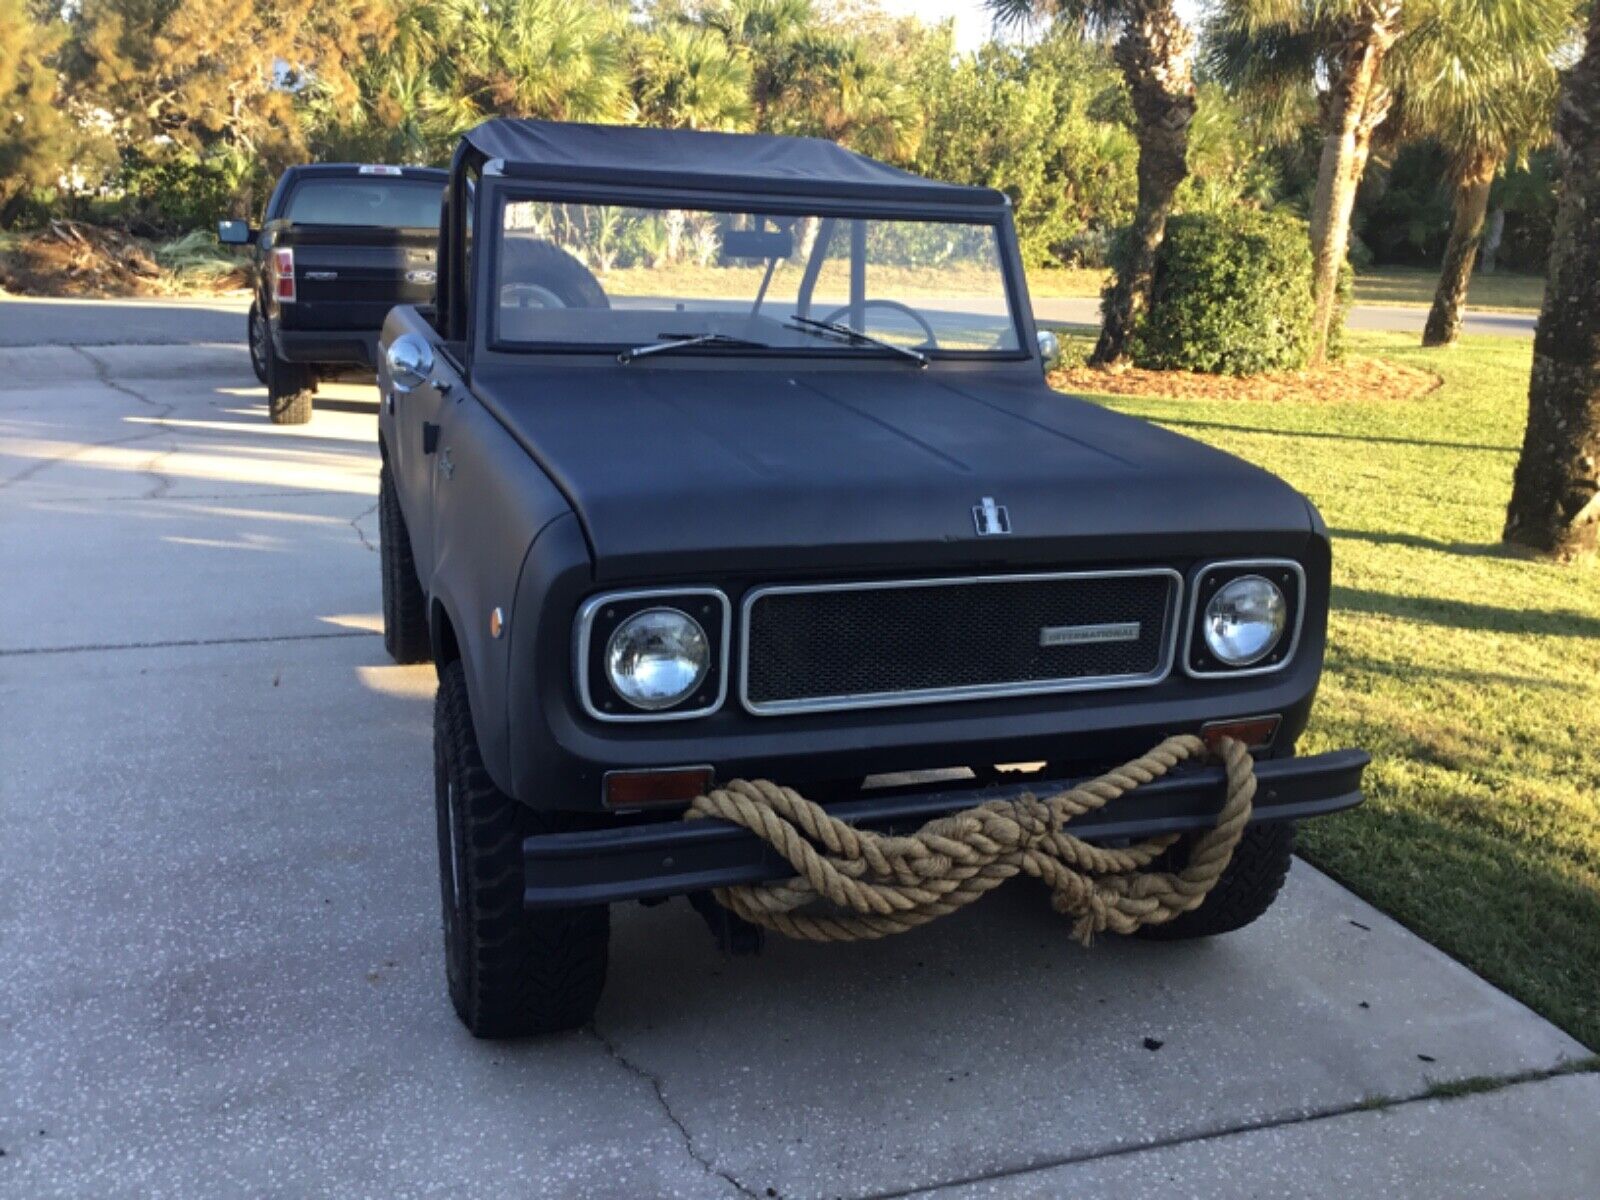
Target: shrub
x,y
1232,295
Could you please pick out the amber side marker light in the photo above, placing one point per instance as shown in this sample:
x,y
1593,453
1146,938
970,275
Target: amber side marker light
x,y
642,789
1255,732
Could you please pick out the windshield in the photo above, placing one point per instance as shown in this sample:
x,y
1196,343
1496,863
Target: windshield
x,y
370,201
627,278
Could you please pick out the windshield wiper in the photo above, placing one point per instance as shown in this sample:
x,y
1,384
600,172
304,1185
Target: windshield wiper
x,y
819,328
681,341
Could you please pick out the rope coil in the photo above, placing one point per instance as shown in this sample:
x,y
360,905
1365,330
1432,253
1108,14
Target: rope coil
x,y
853,884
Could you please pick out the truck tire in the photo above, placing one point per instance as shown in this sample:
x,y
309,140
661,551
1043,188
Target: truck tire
x,y
512,973
1246,890
290,388
257,338
552,277
405,608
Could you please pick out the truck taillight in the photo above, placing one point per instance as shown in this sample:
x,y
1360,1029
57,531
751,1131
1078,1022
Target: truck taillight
x,y
283,276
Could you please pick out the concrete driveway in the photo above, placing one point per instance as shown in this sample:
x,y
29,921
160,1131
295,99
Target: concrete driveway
x,y
220,960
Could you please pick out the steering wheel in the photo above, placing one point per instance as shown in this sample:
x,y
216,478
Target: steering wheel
x,y
933,338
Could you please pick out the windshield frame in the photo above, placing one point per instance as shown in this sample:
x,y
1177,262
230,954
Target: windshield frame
x,y
498,191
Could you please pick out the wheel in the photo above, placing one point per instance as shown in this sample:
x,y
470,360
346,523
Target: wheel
x,y
537,274
290,388
894,305
405,609
256,335
1247,888
512,973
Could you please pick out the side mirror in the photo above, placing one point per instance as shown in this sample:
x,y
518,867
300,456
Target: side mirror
x,y
1049,347
235,233
410,362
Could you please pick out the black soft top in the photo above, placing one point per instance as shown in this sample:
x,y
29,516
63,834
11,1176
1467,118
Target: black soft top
x,y
696,159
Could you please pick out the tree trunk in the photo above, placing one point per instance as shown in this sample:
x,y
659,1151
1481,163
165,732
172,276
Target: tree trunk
x,y
1356,104
1491,240
1473,179
1156,54
1555,499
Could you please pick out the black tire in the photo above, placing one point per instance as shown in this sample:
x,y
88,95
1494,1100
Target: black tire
x,y
534,264
290,389
512,973
257,339
405,608
1246,890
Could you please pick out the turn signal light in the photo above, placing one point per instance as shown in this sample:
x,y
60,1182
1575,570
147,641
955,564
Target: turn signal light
x,y
642,789
1255,732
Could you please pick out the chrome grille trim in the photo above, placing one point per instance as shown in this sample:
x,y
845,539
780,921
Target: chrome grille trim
x,y
1174,610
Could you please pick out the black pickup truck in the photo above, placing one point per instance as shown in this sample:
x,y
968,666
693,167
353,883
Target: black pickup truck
x,y
725,455
340,245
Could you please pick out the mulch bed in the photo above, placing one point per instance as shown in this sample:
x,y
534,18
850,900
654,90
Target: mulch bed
x,y
1355,379
70,258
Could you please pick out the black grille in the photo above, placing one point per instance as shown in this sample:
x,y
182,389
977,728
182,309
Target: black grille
x,y
903,642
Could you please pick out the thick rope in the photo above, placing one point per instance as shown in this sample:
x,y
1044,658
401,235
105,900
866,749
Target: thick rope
x,y
852,884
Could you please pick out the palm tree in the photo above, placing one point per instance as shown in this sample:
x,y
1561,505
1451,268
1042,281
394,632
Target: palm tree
x,y
690,78
1555,499
777,38
1155,51
849,96
1483,85
1292,58
558,59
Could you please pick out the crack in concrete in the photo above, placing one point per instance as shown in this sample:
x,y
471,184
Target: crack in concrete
x,y
656,1086
355,523
102,375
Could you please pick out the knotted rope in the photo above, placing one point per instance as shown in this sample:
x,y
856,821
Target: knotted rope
x,y
852,884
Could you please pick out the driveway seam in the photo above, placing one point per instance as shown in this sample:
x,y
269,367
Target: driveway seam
x,y
181,643
656,1086
1430,1093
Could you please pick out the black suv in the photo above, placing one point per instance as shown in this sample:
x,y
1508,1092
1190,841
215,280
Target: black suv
x,y
732,456
341,244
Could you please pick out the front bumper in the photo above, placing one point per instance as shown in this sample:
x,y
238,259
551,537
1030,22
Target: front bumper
x,y
639,862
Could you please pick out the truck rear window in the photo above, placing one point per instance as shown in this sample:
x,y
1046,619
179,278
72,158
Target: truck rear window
x,y
386,203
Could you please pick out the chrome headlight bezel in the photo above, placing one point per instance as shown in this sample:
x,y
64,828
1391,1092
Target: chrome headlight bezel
x,y
598,619
1285,574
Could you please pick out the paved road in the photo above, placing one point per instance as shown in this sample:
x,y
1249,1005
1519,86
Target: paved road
x,y
106,322
221,969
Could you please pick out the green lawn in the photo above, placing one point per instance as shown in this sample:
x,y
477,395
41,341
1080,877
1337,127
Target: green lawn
x,y
1403,286
1472,675
1502,291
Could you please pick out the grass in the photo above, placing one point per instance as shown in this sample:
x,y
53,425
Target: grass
x,y
1412,286
1388,286
1470,673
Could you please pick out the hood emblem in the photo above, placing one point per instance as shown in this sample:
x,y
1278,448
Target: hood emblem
x,y
991,519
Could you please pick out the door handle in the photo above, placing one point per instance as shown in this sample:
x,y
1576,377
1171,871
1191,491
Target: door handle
x,y
430,437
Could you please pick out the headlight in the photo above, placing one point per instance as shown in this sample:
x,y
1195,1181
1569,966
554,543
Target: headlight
x,y
657,658
1245,620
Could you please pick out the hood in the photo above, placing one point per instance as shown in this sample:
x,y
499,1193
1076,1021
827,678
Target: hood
x,y
786,473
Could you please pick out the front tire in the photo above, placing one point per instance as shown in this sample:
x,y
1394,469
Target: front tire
x,y
1248,886
290,388
405,609
512,973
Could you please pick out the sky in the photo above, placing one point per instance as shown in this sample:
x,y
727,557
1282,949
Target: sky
x,y
972,19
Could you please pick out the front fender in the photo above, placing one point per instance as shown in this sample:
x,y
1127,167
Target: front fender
x,y
490,503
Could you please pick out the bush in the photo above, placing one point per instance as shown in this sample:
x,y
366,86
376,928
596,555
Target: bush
x,y
1232,295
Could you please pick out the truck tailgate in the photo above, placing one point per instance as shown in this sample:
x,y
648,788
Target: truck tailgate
x,y
349,278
